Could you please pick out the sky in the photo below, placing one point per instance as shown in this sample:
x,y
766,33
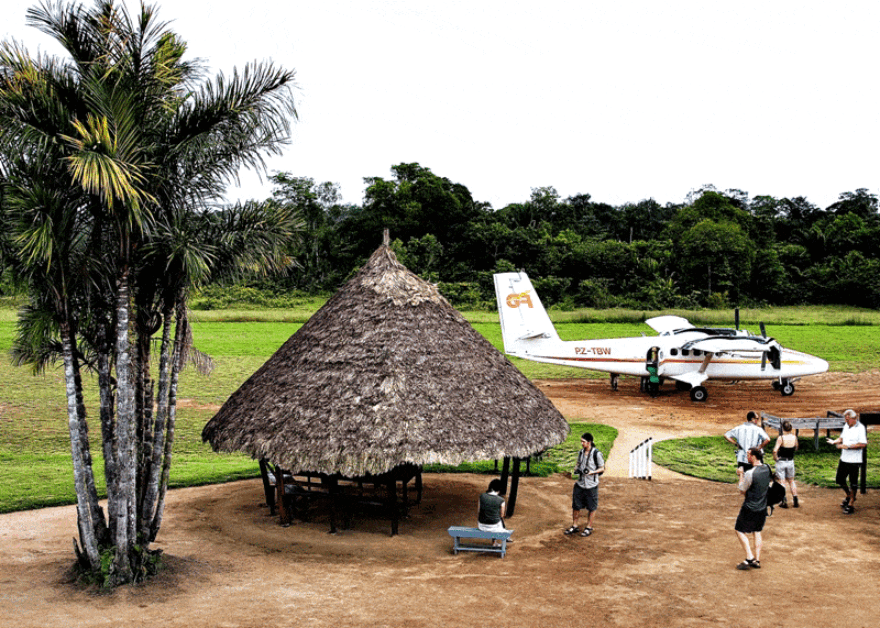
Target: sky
x,y
624,100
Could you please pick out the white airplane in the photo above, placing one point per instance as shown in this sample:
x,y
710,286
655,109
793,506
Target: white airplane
x,y
681,352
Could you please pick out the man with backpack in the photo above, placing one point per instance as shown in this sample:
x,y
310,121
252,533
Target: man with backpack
x,y
585,494
754,484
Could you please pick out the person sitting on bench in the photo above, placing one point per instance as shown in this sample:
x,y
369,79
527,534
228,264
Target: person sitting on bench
x,y
490,517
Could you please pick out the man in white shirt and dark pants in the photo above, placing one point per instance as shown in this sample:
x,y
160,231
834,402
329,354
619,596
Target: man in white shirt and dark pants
x,y
852,442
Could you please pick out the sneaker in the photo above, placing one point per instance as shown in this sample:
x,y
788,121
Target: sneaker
x,y
587,532
570,530
849,510
844,503
783,505
744,566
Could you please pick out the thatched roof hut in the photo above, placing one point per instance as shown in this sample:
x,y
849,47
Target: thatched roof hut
x,y
386,373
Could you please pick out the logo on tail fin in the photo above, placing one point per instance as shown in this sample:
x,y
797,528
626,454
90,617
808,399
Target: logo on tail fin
x,y
517,299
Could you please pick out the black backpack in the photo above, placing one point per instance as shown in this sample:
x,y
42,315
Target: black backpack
x,y
775,494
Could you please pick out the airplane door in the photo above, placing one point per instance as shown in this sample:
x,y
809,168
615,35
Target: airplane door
x,y
651,383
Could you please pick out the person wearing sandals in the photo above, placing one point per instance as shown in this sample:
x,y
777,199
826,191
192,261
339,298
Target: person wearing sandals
x,y
783,454
754,484
490,516
852,440
585,494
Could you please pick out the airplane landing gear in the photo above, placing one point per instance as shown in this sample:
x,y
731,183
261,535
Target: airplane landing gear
x,y
614,378
786,388
699,394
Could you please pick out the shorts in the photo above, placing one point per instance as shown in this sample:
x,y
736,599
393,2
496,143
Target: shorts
x,y
750,521
785,469
585,498
848,471
492,527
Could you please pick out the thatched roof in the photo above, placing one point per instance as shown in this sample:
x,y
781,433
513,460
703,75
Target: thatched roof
x,y
386,373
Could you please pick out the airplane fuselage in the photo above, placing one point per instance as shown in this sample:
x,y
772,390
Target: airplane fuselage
x,y
627,356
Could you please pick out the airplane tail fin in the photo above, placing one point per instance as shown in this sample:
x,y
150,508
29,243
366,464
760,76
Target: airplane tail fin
x,y
523,317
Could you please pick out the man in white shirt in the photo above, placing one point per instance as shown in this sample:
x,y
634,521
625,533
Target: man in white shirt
x,y
852,441
744,437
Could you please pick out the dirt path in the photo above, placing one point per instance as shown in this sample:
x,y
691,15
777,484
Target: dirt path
x,y
663,553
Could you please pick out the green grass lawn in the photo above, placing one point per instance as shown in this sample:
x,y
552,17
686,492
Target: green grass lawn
x,y
35,468
712,458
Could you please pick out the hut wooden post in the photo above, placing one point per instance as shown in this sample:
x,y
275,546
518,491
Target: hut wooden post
x,y
505,473
283,514
333,490
514,485
268,489
392,503
404,480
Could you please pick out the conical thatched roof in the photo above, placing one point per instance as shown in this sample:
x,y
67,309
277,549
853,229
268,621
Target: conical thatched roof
x,y
386,373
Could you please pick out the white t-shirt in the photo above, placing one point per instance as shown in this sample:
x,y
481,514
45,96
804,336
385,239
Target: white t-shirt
x,y
852,436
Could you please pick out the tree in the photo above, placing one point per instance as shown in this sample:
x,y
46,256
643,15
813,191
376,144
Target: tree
x,y
110,160
717,255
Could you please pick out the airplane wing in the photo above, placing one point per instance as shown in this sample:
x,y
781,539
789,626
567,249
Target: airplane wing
x,y
732,343
662,324
694,378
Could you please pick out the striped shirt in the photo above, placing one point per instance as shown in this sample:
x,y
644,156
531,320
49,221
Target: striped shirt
x,y
747,435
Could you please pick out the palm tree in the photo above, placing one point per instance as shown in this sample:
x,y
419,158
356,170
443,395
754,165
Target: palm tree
x,y
112,159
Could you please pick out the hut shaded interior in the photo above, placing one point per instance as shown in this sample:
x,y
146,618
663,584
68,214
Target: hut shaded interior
x,y
386,373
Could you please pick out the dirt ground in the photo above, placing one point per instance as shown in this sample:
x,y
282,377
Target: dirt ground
x,y
663,552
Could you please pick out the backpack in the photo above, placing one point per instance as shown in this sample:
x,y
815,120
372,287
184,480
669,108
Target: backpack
x,y
775,494
594,453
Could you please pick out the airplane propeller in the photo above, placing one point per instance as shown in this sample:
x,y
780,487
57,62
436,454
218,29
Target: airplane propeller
x,y
764,353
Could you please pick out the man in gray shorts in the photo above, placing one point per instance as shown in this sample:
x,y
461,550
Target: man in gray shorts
x,y
585,494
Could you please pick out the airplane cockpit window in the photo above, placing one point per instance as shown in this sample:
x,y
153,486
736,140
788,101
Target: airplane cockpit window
x,y
673,352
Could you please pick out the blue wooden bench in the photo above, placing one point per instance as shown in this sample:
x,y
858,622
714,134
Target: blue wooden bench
x,y
460,532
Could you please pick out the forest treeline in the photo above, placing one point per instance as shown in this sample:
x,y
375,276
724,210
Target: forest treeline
x,y
716,249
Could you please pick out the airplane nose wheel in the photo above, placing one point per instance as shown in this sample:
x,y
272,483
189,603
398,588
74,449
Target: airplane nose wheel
x,y
699,394
787,389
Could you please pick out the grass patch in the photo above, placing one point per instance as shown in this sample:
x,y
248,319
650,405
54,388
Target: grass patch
x,y
35,467
558,459
712,458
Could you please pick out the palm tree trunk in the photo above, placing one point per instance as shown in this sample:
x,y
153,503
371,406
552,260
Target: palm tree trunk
x,y
108,428
151,494
177,358
88,539
98,521
125,437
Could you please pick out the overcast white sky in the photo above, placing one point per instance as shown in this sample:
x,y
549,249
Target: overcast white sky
x,y
622,100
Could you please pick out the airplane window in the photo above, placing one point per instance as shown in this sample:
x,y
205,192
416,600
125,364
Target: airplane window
x,y
697,352
673,351
685,352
